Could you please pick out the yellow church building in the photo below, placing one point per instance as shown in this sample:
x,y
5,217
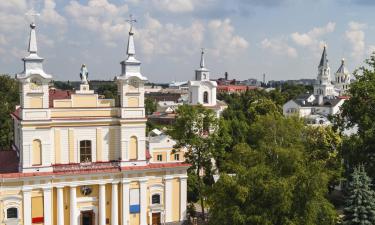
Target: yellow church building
x,y
82,160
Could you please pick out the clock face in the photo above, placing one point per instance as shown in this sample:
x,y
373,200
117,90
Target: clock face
x,y
86,190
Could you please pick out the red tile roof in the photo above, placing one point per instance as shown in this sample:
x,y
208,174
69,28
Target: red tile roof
x,y
108,170
55,94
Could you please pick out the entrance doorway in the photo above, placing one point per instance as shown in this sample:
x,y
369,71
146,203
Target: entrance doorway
x,y
156,219
87,217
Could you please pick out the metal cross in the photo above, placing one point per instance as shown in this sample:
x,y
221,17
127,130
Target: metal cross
x,y
32,13
131,21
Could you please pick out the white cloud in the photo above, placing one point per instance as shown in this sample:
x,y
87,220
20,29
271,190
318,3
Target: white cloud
x,y
224,41
279,46
175,6
49,15
169,39
101,17
312,39
356,37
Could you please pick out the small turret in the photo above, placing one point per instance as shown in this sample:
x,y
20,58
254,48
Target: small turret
x,y
342,79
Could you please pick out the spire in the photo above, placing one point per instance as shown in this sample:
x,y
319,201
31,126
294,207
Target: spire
x,y
32,40
131,67
342,68
202,64
324,60
131,47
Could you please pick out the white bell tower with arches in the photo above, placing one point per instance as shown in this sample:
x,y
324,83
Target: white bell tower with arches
x,y
202,90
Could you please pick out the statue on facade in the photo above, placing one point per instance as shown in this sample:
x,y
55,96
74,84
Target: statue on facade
x,y
84,74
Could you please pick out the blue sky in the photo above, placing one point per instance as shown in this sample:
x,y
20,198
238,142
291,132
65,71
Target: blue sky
x,y
246,38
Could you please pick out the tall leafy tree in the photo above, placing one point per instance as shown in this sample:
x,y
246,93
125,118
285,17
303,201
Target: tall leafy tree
x,y
358,112
197,129
9,98
276,180
360,202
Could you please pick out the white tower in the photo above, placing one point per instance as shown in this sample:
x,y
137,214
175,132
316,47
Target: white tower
x,y
130,85
342,79
323,85
34,93
202,90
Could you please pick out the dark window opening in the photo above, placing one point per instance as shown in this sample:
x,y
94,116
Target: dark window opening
x,y
85,151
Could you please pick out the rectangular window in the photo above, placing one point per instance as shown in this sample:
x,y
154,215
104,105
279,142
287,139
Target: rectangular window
x,y
134,201
159,158
85,151
177,157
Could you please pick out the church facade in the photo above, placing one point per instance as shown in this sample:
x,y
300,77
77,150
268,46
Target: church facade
x,y
82,160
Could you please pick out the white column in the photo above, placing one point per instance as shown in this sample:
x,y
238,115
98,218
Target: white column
x,y
183,197
60,205
114,208
47,205
102,209
26,207
143,201
125,202
168,198
73,205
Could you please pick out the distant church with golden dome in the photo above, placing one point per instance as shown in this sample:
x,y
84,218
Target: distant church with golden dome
x,y
83,160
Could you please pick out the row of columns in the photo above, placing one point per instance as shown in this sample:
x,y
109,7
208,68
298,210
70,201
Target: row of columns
x,y
47,201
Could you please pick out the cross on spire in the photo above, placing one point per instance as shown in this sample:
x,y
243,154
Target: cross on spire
x,y
131,21
32,13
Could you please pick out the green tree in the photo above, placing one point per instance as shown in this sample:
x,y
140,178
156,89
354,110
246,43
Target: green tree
x,y
358,111
197,129
9,98
281,178
150,106
360,202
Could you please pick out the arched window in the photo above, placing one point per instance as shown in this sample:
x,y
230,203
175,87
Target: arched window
x,y
37,152
85,151
205,97
155,199
133,148
12,213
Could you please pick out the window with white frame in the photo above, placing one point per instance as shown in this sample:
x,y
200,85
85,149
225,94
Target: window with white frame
x,y
159,157
155,199
12,213
177,157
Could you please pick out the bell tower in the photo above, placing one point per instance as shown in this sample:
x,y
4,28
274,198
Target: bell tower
x,y
34,92
130,88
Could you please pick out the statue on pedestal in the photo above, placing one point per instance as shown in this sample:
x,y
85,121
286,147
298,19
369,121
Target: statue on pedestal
x,y
84,74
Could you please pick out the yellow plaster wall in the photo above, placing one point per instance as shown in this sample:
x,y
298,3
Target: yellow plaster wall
x,y
133,148
106,103
57,146
36,102
134,219
37,207
54,206
134,185
99,144
37,152
84,113
155,156
108,199
62,103
66,195
176,200
133,102
85,100
71,145
112,141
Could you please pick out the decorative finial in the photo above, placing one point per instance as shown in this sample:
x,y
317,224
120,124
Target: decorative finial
x,y
32,13
131,21
343,60
202,64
